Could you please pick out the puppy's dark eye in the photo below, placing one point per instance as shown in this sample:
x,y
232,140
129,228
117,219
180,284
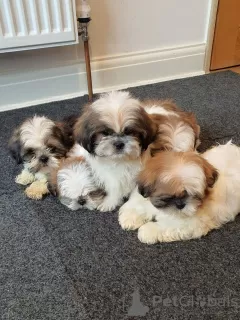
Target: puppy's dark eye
x,y
106,132
99,193
168,199
129,132
53,149
134,133
141,135
30,151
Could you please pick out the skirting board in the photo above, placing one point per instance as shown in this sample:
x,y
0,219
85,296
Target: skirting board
x,y
108,73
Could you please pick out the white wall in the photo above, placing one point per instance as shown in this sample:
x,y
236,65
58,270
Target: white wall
x,y
143,41
121,26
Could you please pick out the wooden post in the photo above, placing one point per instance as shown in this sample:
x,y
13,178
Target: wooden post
x,y
88,69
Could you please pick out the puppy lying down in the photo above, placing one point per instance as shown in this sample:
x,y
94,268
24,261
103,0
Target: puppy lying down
x,y
184,195
39,144
75,184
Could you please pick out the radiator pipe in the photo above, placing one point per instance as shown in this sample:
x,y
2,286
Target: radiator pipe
x,y
83,14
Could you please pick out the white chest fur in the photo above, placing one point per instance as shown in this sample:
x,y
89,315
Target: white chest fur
x,y
118,177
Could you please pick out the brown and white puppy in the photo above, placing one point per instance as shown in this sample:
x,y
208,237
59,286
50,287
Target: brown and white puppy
x,y
115,126
39,143
113,133
177,130
187,194
75,184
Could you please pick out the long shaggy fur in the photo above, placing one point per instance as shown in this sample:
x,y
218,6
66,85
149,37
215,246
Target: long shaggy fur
x,y
113,132
186,195
75,184
119,133
39,143
177,130
115,126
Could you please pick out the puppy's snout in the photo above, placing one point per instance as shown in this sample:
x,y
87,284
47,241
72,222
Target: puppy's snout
x,y
44,159
81,201
180,204
119,145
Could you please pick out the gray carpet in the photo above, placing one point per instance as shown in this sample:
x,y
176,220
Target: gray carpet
x,y
58,264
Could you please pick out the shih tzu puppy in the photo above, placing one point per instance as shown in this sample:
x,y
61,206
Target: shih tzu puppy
x,y
113,133
39,143
186,195
177,130
75,184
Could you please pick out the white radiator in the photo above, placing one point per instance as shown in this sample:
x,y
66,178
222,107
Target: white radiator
x,y
26,24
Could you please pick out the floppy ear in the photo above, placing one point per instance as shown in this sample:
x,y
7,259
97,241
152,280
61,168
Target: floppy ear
x,y
64,133
85,131
211,173
53,189
146,182
148,129
15,148
52,182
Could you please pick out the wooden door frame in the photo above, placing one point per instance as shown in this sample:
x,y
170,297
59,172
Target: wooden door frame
x,y
210,35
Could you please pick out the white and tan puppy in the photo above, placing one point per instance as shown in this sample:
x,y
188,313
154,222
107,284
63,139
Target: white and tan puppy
x,y
112,133
115,132
177,130
186,195
75,184
39,143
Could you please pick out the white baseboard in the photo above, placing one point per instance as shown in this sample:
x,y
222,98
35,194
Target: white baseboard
x,y
108,73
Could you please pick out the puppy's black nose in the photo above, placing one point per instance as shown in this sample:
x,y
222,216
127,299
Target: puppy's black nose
x,y
81,201
119,145
43,159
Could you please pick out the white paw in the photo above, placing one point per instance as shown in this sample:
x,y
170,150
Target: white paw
x,y
37,190
106,206
90,207
152,232
25,178
131,219
41,176
149,233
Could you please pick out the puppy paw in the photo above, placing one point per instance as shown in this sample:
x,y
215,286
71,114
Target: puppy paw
x,y
152,232
131,219
37,190
106,206
149,233
25,178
